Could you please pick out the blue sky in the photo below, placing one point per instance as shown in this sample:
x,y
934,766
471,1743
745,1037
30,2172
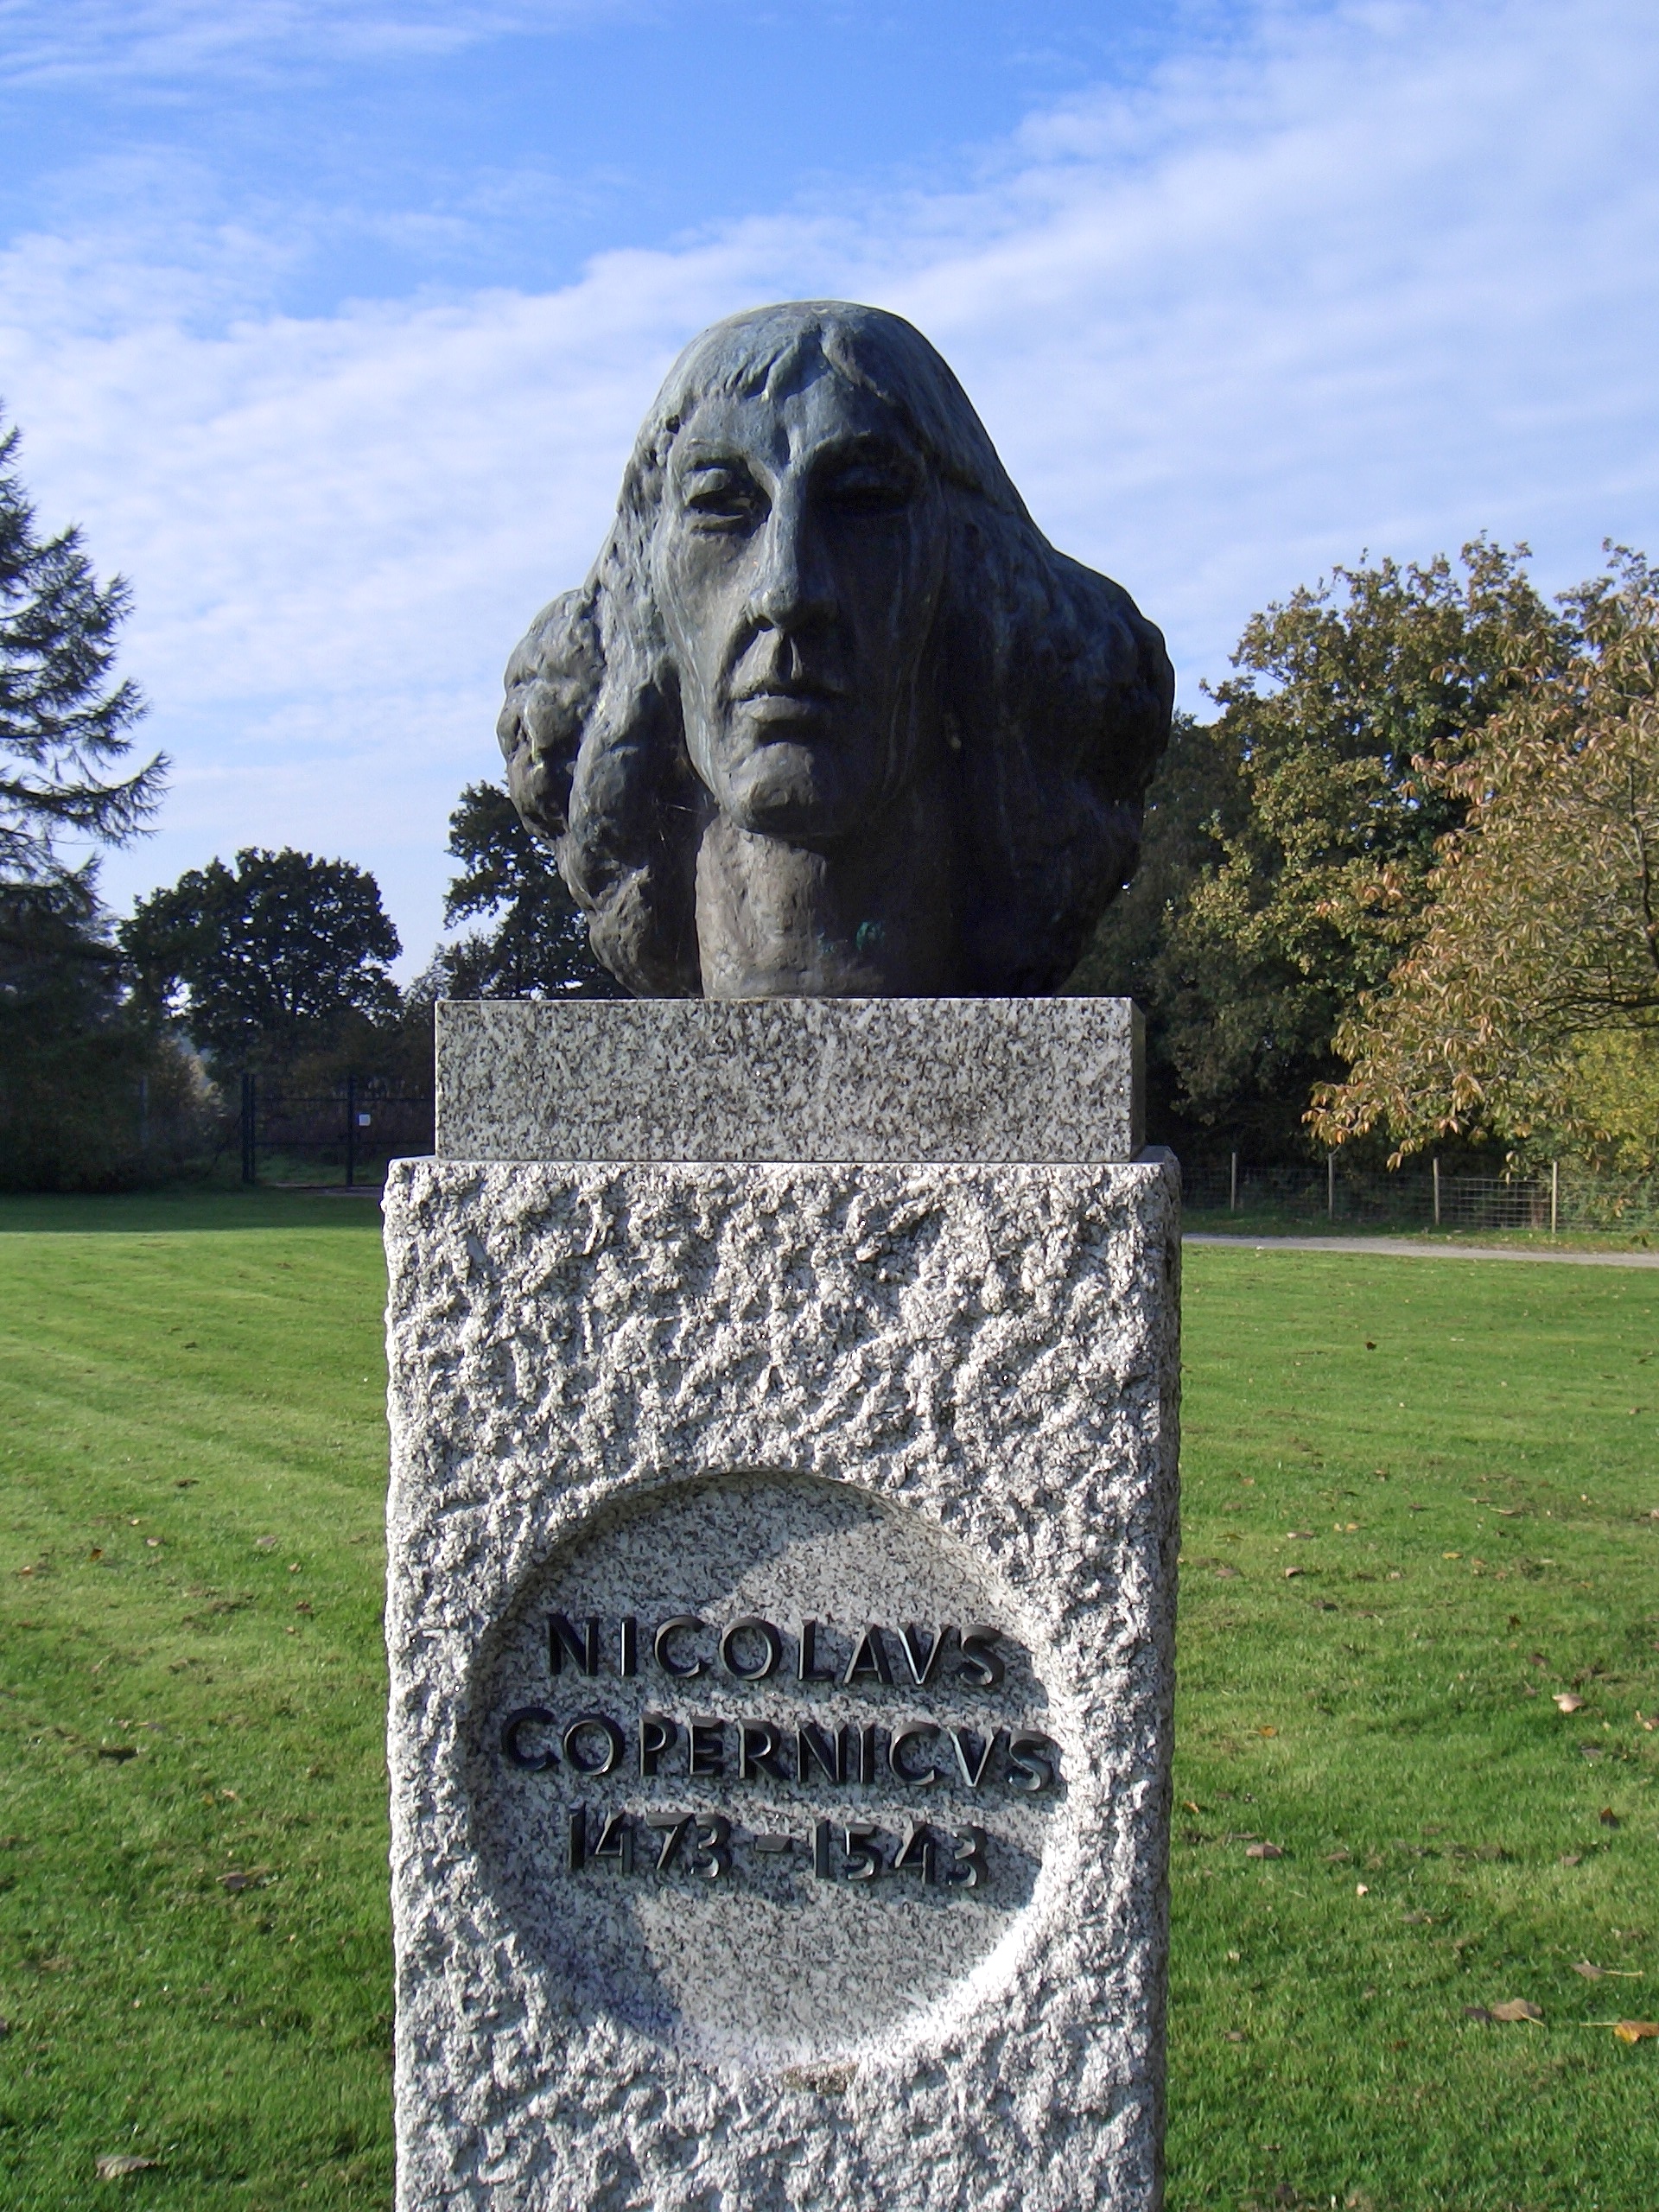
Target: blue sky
x,y
331,320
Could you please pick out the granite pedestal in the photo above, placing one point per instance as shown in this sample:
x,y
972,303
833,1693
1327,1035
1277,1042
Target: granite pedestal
x,y
782,1538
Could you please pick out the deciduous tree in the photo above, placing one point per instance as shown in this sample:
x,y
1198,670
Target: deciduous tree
x,y
1527,1008
263,960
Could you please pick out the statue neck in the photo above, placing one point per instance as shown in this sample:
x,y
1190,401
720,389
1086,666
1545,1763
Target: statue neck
x,y
867,918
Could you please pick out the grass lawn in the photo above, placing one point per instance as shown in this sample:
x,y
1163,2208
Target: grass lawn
x,y
194,1957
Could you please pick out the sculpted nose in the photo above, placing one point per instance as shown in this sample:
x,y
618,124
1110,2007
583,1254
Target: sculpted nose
x,y
789,584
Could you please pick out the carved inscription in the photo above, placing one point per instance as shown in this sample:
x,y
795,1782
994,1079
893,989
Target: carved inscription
x,y
779,1742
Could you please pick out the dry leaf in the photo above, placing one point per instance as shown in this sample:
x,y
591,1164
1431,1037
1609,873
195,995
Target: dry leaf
x,y
112,2167
116,1752
1514,2008
1567,1701
1233,2036
1450,1554
1336,1858
1589,1973
234,1882
1303,1535
1476,2012
1360,1890
1572,1859
1291,1570
1187,1806
1608,1817
1264,1851
1229,1575
264,1543
1267,1732
1635,2031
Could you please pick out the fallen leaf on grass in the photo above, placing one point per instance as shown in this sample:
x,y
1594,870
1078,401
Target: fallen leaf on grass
x,y
1608,1817
1635,2031
1291,1570
1233,2036
1514,2008
1187,1806
1419,1919
1267,1732
119,2163
264,1543
234,1882
1336,1858
1567,1701
97,1551
1589,1973
1571,1859
1361,1889
1476,2012
1229,1574
1263,1851
117,1751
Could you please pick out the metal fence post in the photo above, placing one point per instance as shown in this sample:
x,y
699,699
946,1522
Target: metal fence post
x,y
1330,1186
1232,1189
1555,1194
1437,1190
351,1131
250,1129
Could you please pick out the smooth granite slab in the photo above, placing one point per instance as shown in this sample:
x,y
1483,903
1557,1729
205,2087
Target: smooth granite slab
x,y
880,1080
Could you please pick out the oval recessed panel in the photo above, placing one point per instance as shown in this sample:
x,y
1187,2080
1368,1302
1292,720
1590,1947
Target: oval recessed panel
x,y
759,1766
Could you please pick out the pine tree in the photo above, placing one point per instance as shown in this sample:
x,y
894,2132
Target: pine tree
x,y
64,719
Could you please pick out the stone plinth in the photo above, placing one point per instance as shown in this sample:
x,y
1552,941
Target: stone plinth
x,y
781,1600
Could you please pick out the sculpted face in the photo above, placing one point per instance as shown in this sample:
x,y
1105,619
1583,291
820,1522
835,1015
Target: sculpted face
x,y
798,563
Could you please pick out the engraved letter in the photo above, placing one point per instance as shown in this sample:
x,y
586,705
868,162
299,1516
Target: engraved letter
x,y
630,1647
808,1669
613,1744
527,1716
902,1773
707,1748
983,1665
924,1657
825,1751
748,1626
564,1641
870,1658
758,1742
1031,1763
664,1660
657,1735
973,1770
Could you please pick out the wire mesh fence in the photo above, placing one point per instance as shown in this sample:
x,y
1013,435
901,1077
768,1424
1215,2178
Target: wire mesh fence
x,y
341,1137
1560,1200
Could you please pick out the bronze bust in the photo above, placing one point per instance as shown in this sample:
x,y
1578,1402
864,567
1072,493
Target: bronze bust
x,y
831,718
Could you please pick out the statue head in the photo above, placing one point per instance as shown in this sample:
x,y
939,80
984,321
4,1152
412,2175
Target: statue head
x,y
831,716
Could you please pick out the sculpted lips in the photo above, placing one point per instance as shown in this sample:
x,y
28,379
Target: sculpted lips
x,y
779,702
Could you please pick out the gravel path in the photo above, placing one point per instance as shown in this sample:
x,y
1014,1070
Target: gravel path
x,y
1402,1247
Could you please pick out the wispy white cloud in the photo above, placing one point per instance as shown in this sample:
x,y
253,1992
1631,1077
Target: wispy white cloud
x,y
1380,276
47,41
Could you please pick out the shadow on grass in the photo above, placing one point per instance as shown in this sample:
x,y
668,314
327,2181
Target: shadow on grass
x,y
187,1209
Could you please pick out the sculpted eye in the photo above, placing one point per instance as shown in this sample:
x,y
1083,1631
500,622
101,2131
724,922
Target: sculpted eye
x,y
874,487
723,498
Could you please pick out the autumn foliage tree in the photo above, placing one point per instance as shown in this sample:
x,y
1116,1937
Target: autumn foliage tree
x,y
1291,841
1527,1008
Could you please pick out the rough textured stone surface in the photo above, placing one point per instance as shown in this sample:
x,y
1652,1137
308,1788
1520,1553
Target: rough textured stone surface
x,y
903,1394
815,1079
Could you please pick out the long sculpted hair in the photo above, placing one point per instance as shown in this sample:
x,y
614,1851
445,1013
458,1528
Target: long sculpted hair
x,y
1052,692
